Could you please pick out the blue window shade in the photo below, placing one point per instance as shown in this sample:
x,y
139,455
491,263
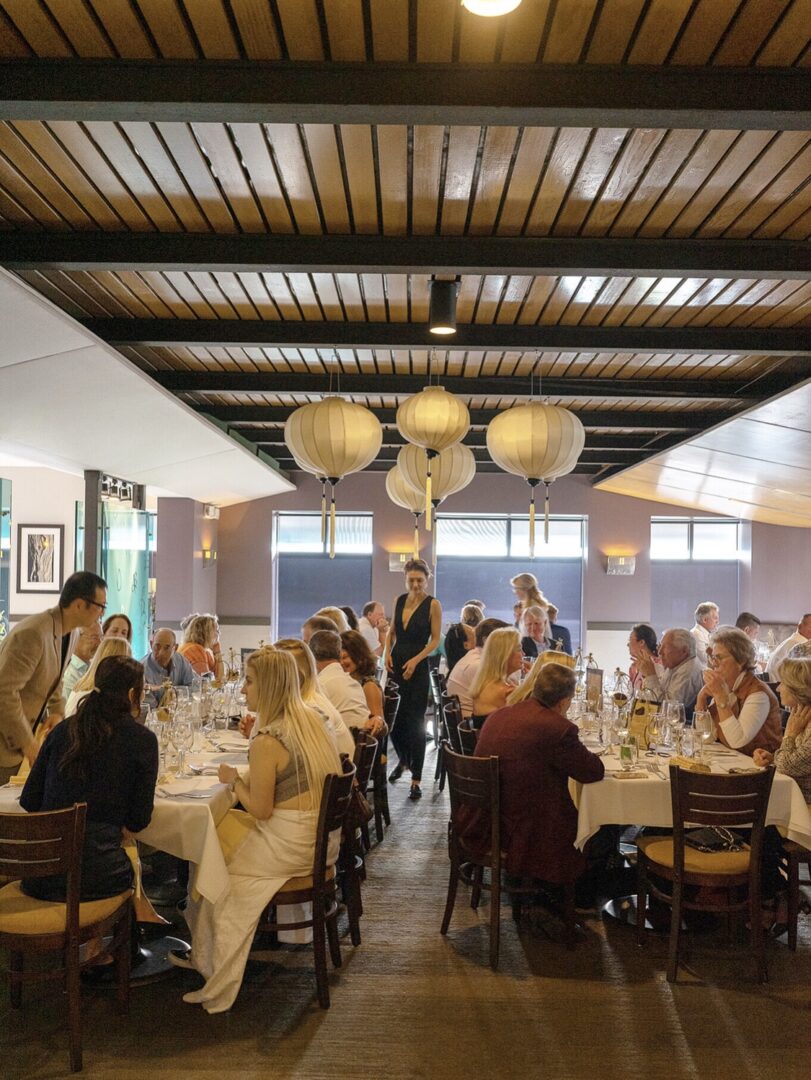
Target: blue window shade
x,y
305,583
678,588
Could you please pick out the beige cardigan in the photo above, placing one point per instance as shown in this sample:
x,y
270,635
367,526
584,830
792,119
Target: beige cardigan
x,y
30,674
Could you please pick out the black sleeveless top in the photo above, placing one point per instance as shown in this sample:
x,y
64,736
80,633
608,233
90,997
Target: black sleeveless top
x,y
411,639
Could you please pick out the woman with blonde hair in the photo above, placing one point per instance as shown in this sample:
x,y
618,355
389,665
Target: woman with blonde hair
x,y
311,694
500,659
793,756
291,755
525,587
112,646
337,616
201,644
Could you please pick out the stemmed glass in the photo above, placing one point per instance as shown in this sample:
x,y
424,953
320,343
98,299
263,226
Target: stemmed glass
x,y
181,735
677,719
705,726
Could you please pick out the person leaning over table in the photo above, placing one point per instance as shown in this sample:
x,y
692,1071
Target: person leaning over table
x,y
291,755
33,657
682,676
793,756
83,652
164,662
745,710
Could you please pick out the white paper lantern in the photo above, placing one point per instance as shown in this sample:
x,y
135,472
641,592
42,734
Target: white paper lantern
x,y
434,420
403,494
452,469
332,438
539,442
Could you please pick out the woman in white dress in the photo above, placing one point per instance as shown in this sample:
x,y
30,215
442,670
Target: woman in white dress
x,y
291,755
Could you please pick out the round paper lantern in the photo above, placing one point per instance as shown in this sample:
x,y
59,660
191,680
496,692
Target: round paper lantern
x,y
453,468
539,442
403,494
434,420
332,438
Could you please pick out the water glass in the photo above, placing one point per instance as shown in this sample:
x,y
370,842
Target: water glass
x,y
181,734
704,727
629,752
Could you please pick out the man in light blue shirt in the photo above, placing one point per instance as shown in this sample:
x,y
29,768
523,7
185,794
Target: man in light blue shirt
x,y
164,662
89,641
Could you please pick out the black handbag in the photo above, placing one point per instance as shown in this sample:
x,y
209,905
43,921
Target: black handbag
x,y
713,840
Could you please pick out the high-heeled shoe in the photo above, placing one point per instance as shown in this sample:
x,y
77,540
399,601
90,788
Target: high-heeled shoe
x,y
415,793
395,774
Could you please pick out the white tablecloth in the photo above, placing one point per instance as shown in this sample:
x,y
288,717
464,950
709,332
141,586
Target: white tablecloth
x,y
647,801
186,828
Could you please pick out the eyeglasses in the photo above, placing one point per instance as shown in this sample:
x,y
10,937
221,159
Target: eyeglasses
x,y
714,660
95,603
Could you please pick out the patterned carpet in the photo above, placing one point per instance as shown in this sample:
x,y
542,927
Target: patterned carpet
x,y
408,1004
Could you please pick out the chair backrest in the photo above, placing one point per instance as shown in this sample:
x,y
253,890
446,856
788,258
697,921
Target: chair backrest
x,y
391,705
436,687
468,737
726,801
335,796
45,844
474,788
364,757
452,716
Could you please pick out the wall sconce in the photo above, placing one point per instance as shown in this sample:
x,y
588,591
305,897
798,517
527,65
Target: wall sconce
x,y
622,565
209,556
397,560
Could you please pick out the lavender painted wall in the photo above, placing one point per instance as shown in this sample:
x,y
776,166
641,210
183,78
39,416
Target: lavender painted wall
x,y
184,583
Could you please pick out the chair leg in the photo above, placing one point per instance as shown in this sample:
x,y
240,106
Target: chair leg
x,y
15,970
354,905
320,953
334,941
495,918
386,814
793,899
675,932
476,891
758,930
74,994
569,920
641,899
364,837
123,965
450,901
378,803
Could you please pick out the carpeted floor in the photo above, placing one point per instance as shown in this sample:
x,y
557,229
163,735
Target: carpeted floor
x,y
409,1004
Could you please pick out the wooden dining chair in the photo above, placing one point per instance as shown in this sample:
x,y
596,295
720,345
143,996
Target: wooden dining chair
x,y
701,799
366,747
38,846
468,737
795,856
317,889
380,787
451,719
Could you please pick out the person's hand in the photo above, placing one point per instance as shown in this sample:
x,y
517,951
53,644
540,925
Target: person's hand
x,y
50,722
644,659
703,699
798,719
762,758
526,664
716,685
409,667
30,751
389,662
246,724
375,725
227,774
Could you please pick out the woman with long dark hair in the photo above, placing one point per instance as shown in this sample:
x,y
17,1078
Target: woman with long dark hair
x,y
358,660
102,756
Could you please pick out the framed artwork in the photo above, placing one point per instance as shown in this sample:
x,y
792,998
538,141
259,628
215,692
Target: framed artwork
x,y
40,558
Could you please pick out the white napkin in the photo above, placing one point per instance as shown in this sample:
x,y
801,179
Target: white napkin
x,y
190,788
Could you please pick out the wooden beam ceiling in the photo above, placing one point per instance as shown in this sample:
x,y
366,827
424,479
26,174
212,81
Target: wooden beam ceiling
x,y
721,98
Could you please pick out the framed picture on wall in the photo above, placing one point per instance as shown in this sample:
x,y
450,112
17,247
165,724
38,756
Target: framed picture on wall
x,y
40,558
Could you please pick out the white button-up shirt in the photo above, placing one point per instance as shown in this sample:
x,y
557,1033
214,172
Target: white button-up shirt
x,y
702,636
780,653
345,694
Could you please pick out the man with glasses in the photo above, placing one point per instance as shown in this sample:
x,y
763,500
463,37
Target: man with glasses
x,y
33,659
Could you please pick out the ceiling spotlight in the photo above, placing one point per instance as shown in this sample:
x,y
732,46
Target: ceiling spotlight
x,y
489,8
442,312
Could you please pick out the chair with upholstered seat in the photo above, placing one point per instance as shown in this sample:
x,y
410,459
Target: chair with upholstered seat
x,y
41,845
730,880
318,888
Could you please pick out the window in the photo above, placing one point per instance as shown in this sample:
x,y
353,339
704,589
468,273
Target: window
x,y
500,537
705,539
302,533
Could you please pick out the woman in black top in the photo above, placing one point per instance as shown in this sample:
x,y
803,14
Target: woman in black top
x,y
103,757
461,636
413,636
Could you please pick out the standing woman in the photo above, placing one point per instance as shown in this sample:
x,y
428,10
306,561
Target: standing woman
x,y
413,636
527,593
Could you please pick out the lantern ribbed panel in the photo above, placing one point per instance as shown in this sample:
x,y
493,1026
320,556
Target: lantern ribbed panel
x,y
402,493
433,419
536,441
451,470
333,437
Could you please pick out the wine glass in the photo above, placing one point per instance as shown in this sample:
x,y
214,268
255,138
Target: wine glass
x,y
705,727
181,735
677,719
655,730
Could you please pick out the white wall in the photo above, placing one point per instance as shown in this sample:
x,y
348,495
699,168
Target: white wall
x,y
41,497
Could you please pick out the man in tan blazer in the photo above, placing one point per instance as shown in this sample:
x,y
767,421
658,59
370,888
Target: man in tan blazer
x,y
32,659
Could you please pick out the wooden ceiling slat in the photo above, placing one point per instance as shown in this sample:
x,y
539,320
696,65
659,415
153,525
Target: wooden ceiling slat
x,y
628,169
215,142
232,288
120,290
31,172
782,298
62,298
633,295
212,28
492,289
255,288
349,290
284,300
326,165
397,295
95,287
749,31
295,177
680,297
785,44
744,299
652,301
392,157
529,161
568,32
587,292
610,293
187,290
513,297
141,289
562,164
302,33
468,296
301,287
374,295
463,146
704,30
427,163
193,166
435,31
564,290
12,44
749,189
165,290
801,228
673,151
124,29
79,28
478,38
162,168
327,290
347,39
390,29
596,165
255,155
22,192
537,297
660,25
360,174
772,199
523,32
38,30
615,24
257,29
168,29
794,310
499,147
708,292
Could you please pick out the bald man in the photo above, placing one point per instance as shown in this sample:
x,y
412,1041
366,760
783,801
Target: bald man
x,y
165,662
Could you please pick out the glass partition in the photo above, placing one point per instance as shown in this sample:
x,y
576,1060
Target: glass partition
x,y
125,568
5,555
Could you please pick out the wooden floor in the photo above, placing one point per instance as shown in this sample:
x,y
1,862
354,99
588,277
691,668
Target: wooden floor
x,y
409,1004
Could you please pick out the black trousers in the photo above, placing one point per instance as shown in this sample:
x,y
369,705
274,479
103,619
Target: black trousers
x,y
408,733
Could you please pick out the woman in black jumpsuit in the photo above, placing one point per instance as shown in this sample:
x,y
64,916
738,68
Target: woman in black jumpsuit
x,y
413,636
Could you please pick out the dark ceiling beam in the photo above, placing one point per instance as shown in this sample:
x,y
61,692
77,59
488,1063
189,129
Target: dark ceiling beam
x,y
638,420
642,444
256,333
249,382
535,256
279,451
578,95
290,466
